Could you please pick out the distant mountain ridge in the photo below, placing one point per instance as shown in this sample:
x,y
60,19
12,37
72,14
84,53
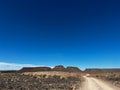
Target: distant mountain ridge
x,y
63,69
56,68
104,70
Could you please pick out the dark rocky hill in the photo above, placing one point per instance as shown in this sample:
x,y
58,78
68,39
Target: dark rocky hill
x,y
56,68
59,68
73,69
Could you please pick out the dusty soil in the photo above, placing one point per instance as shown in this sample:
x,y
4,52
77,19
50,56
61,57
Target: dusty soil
x,y
91,83
113,78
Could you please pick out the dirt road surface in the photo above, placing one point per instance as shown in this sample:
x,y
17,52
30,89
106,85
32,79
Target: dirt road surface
x,y
95,84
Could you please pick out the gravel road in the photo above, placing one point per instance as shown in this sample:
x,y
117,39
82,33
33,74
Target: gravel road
x,y
91,83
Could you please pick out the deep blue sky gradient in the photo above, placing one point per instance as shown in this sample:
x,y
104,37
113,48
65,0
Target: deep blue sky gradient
x,y
83,33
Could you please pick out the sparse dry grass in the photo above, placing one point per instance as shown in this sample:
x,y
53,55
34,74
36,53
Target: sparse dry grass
x,y
52,73
39,81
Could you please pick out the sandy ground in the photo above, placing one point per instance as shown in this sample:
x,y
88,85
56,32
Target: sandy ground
x,y
95,84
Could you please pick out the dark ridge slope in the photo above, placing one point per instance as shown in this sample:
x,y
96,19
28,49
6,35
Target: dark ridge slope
x,y
34,69
73,69
106,70
59,68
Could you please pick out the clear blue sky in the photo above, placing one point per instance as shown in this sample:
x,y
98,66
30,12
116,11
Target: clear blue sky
x,y
83,33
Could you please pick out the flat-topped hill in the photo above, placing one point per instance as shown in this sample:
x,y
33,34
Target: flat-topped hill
x,y
56,68
34,69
